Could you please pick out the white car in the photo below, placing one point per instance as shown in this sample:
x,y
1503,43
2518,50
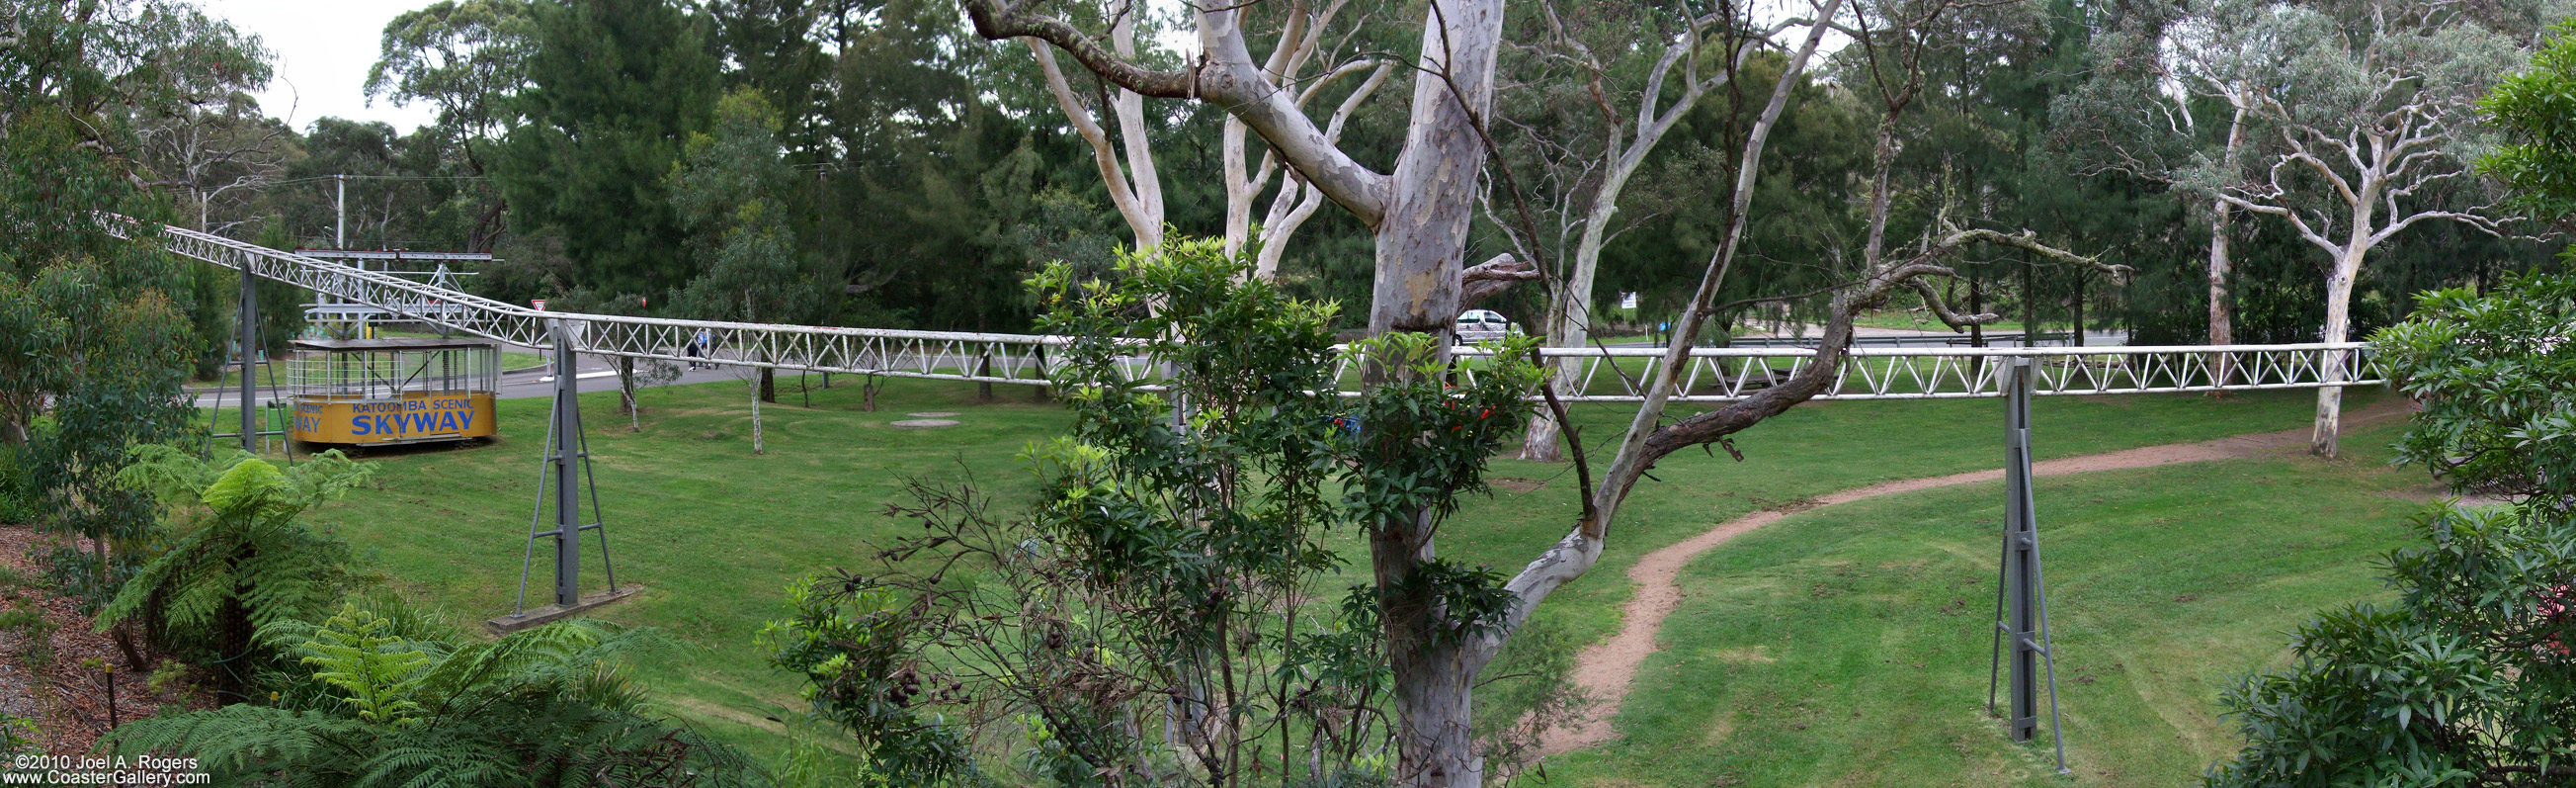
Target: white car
x,y
1482,325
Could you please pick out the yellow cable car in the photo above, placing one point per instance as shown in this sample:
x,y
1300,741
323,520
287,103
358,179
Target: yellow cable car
x,y
375,392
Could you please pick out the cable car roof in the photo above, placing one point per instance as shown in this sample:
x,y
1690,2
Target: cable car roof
x,y
404,343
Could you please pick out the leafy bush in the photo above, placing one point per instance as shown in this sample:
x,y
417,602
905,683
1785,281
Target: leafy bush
x,y
1161,615
2496,374
17,737
371,700
17,498
2469,679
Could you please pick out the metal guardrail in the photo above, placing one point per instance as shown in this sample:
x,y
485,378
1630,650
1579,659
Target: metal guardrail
x,y
1605,374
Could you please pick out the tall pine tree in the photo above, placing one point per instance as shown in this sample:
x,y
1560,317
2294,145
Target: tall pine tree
x,y
615,87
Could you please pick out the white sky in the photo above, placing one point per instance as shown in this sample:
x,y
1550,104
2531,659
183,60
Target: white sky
x,y
323,49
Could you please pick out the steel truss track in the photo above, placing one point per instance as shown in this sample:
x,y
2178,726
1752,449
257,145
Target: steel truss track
x,y
1728,374
1604,374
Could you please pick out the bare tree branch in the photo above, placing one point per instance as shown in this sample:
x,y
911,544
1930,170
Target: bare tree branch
x,y
1224,75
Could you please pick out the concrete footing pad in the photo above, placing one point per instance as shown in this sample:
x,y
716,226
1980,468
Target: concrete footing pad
x,y
536,616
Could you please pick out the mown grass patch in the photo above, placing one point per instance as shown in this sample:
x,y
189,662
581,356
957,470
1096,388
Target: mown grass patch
x,y
1849,645
716,533
713,531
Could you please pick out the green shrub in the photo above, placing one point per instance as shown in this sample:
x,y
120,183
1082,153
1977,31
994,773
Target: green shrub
x,y
17,500
2469,678
17,737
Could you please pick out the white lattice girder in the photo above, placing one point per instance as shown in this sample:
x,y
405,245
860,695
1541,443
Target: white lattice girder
x,y
1605,374
1727,374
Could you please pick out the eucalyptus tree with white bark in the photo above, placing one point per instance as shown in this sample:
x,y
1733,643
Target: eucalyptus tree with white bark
x,y
2218,52
1593,175
1135,185
2368,127
216,157
1301,41
1127,165
1419,215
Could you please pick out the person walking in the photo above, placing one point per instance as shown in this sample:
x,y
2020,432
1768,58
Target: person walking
x,y
702,347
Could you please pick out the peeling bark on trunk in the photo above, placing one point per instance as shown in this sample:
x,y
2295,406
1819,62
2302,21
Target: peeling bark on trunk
x,y
2324,438
1420,240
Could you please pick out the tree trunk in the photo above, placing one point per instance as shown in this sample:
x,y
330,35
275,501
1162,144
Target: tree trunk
x,y
1421,238
233,633
756,447
1977,306
1434,679
1539,444
626,394
2322,439
1238,185
2079,309
2222,330
2347,267
769,385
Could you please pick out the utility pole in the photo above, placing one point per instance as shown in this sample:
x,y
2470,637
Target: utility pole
x,y
339,225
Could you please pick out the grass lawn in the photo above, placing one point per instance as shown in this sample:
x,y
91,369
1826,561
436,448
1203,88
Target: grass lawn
x,y
1844,646
716,533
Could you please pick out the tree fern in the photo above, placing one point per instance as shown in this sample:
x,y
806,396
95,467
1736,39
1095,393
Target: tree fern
x,y
235,558
549,706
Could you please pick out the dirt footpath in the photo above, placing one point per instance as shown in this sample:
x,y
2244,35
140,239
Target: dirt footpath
x,y
53,674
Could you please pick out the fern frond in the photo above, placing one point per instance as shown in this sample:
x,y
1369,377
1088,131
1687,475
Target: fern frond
x,y
179,556
350,654
243,739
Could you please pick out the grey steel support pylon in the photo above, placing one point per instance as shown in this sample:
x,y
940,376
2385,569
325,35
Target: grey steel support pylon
x,y
250,361
246,335
2022,645
568,463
